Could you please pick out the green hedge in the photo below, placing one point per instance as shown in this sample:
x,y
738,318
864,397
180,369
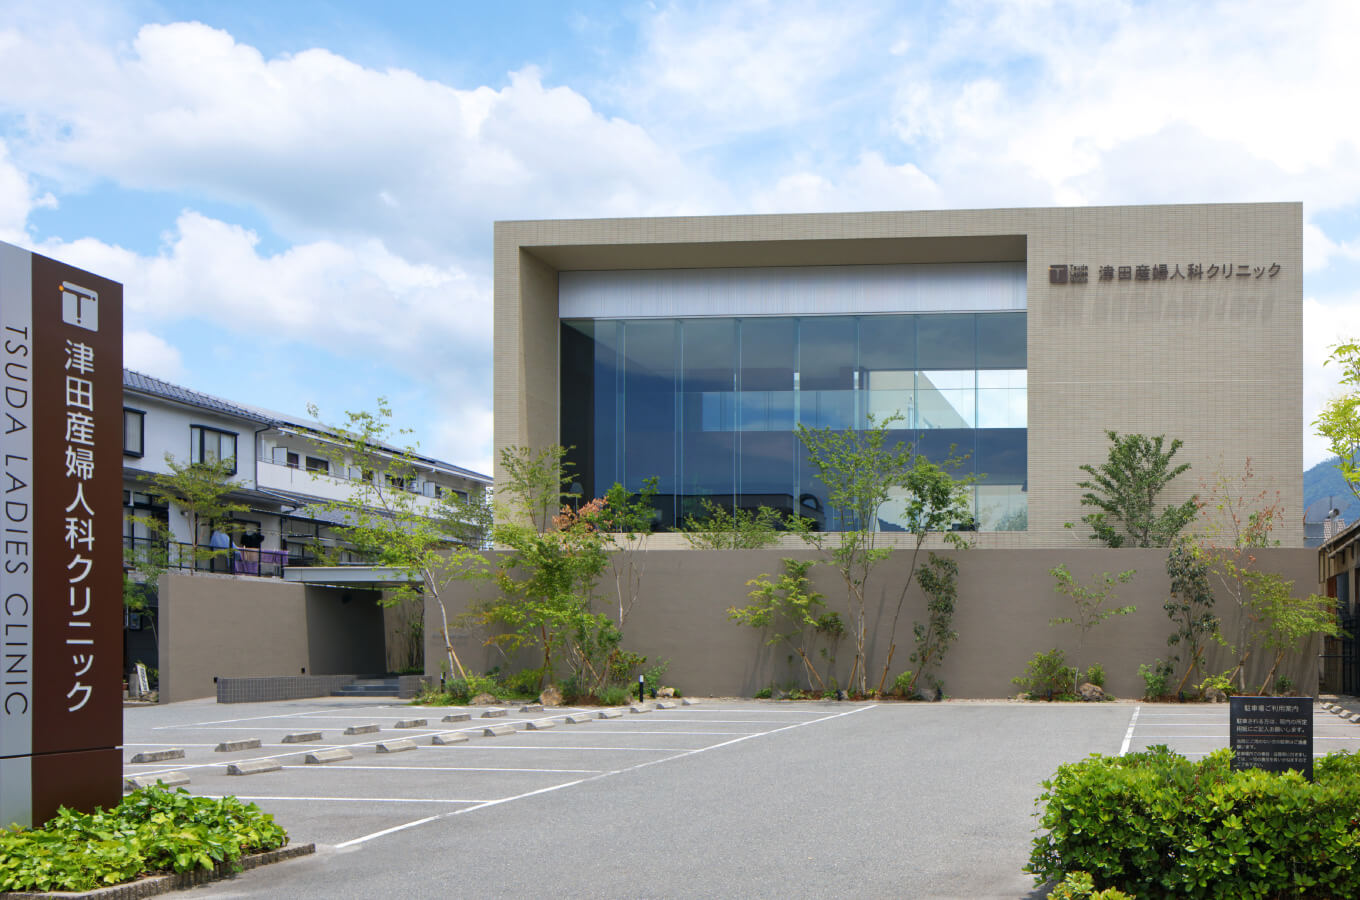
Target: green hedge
x,y
152,830
1155,824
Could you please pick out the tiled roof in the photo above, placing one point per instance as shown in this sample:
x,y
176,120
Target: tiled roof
x,y
145,384
136,381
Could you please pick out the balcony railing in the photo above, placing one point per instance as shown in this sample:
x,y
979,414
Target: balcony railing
x,y
180,556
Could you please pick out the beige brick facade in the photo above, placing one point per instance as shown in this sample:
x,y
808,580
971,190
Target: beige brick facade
x,y
1214,361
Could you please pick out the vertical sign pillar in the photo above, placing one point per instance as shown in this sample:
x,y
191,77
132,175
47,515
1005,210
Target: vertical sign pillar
x,y
61,366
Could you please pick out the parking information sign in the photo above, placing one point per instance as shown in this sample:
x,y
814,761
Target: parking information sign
x,y
1272,733
61,556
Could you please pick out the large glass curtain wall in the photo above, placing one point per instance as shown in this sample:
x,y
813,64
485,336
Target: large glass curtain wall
x,y
709,406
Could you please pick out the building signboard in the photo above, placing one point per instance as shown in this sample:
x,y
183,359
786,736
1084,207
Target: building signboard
x,y
61,557
1271,733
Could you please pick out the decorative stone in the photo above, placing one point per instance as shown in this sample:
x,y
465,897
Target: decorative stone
x,y
151,756
1214,695
166,779
1091,693
666,693
229,746
551,696
483,700
325,756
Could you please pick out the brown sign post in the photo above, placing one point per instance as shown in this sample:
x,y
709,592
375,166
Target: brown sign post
x,y
61,426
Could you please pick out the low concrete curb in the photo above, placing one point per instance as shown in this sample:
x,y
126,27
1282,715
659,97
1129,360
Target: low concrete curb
x,y
228,746
254,767
685,701
452,737
667,704
396,746
639,709
152,756
301,737
362,729
531,707
498,730
457,717
609,714
165,779
164,884
540,724
410,723
579,718
318,757
494,714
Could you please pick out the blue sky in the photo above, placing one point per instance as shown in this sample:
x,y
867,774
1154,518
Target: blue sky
x,y
299,197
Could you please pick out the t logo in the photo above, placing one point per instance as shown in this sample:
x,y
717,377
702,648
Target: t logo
x,y
79,306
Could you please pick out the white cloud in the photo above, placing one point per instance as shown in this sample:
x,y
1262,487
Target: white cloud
x,y
1325,324
18,198
328,148
151,355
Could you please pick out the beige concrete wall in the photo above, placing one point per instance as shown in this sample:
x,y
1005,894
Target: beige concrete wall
x,y
218,625
1006,600
1216,363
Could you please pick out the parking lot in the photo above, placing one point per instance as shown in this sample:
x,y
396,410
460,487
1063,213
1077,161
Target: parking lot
x,y
722,798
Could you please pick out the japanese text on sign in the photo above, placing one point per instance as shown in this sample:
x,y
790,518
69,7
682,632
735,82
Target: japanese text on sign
x,y
1072,273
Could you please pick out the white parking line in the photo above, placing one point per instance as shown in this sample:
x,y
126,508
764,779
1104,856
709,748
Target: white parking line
x,y
297,715
447,769
1128,735
351,799
746,737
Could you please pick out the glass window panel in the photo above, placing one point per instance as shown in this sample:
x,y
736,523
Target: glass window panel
x,y
649,404
826,353
607,467
945,342
578,410
767,354
1003,401
767,470
946,399
765,410
939,445
708,355
1002,508
887,342
1001,341
1002,455
827,409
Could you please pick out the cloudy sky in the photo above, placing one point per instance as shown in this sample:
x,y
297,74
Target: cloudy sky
x,y
299,196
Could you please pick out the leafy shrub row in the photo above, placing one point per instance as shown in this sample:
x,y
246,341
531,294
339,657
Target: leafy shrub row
x,y
1156,824
152,830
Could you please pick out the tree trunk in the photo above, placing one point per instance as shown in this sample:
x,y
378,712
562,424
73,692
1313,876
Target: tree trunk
x,y
1273,666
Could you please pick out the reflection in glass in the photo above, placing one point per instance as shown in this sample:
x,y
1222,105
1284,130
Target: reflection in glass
x,y
711,406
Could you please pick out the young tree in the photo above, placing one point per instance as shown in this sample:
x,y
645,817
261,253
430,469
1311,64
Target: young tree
x,y
1190,606
717,528
1339,419
624,521
939,580
935,503
794,613
1236,520
1091,604
391,526
1287,621
1125,488
533,481
860,470
201,490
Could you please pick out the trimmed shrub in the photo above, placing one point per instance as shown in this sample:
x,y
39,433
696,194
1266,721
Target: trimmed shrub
x,y
1048,677
1155,824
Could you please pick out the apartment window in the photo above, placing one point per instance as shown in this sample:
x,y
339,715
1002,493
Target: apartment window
x,y
134,432
285,457
212,444
316,464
